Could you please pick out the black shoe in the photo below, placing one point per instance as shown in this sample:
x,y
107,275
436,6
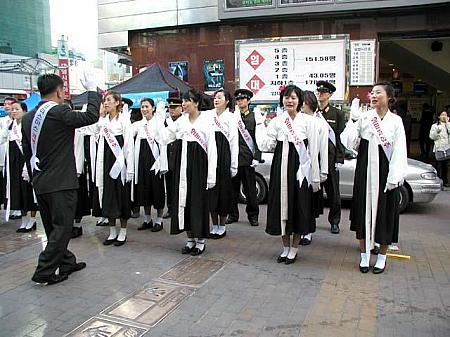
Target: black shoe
x,y
378,270
15,217
76,267
120,243
305,241
145,225
157,227
212,236
109,242
187,250
76,232
220,236
375,250
364,270
166,215
27,230
281,259
231,220
253,222
103,223
49,280
334,229
21,230
197,251
289,261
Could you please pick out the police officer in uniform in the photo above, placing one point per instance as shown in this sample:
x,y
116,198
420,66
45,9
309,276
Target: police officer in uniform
x,y
247,161
335,119
175,111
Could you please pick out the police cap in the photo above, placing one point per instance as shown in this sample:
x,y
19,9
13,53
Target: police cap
x,y
325,86
174,102
243,93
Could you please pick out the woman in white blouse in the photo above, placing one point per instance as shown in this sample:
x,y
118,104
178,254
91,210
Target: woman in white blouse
x,y
440,134
150,162
294,175
115,167
380,169
194,172
224,125
19,193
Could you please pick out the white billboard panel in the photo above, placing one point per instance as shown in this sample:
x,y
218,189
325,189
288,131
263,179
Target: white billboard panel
x,y
264,66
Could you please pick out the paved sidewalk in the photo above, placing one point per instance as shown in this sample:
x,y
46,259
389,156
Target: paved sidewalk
x,y
144,288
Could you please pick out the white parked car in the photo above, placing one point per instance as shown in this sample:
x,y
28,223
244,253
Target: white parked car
x,y
421,185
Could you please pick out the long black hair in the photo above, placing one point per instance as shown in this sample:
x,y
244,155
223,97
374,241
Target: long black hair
x,y
227,97
310,99
196,97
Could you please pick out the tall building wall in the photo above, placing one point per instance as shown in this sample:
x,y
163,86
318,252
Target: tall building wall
x,y
25,27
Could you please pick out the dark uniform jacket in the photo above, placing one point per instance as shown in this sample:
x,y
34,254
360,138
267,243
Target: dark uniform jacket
x,y
336,120
55,148
245,155
172,149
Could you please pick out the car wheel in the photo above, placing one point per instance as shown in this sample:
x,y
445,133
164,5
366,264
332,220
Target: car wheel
x,y
404,198
261,191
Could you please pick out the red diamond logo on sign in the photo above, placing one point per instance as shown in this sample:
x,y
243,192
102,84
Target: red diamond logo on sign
x,y
255,59
255,84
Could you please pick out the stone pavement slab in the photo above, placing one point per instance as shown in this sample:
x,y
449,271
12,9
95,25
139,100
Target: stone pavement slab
x,y
148,288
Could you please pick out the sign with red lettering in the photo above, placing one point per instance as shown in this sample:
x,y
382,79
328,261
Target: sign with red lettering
x,y
64,74
255,59
255,84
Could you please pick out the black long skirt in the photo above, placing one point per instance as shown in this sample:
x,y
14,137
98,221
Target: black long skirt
x,y
20,191
301,218
196,213
220,197
150,188
387,224
116,201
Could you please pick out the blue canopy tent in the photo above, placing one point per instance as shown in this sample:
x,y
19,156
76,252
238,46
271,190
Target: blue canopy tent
x,y
32,101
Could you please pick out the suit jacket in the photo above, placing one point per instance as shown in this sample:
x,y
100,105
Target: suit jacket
x,y
336,119
55,148
245,155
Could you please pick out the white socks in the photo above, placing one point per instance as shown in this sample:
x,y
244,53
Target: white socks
x,y
221,230
292,253
122,234
158,220
25,221
381,261
365,259
147,218
31,222
190,243
112,233
215,228
285,252
200,244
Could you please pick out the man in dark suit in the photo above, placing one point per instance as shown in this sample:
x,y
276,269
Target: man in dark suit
x,y
247,161
336,121
48,134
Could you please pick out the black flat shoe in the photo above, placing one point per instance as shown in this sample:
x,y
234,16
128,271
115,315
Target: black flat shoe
x,y
334,229
27,230
231,220
253,222
197,251
364,270
157,227
21,230
281,259
378,270
74,268
49,280
120,243
145,225
305,241
220,236
187,250
289,261
109,242
77,232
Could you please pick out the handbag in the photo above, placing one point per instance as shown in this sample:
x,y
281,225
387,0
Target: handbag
x,y
443,154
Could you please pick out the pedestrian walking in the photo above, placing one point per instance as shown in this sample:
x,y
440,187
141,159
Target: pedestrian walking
x,y
440,134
